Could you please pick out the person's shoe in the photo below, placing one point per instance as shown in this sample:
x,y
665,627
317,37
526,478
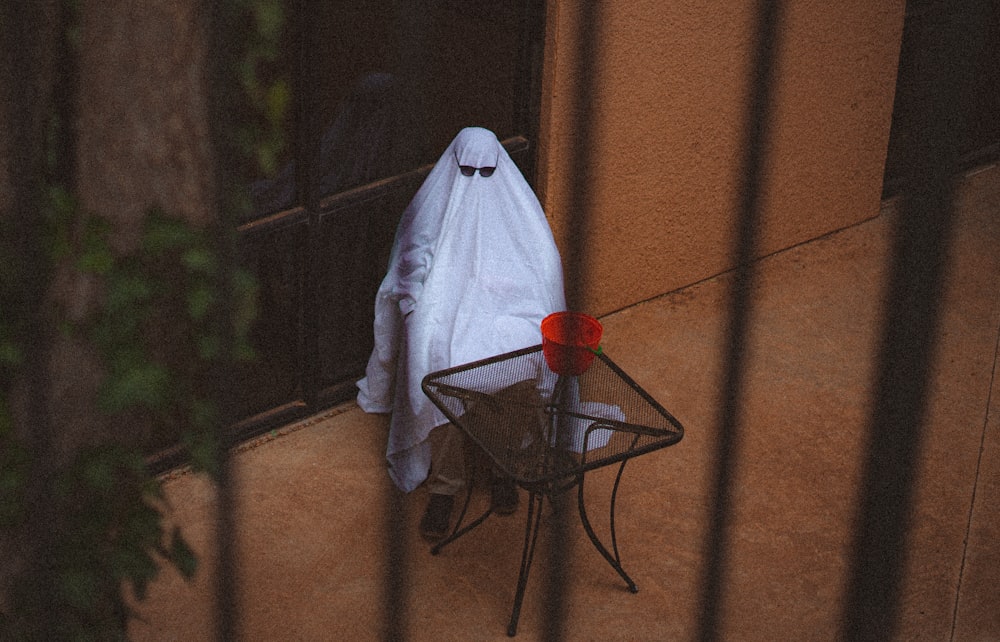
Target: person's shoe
x,y
437,517
503,496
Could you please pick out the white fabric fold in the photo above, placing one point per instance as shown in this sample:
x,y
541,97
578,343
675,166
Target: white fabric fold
x,y
473,271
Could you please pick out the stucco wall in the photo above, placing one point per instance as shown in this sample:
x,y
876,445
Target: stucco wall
x,y
669,104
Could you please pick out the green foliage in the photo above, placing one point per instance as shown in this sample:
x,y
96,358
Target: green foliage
x,y
170,312
110,514
114,508
158,335
261,138
159,329
96,256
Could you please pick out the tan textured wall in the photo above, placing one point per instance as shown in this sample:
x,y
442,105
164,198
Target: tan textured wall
x,y
669,105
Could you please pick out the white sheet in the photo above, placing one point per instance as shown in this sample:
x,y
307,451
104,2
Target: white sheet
x,y
473,271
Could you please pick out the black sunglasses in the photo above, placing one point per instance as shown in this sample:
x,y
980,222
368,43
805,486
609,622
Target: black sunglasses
x,y
469,170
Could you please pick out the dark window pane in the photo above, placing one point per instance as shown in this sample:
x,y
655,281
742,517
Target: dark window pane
x,y
383,87
355,236
378,90
276,259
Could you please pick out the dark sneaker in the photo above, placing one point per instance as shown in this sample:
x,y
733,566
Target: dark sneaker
x,y
503,496
437,517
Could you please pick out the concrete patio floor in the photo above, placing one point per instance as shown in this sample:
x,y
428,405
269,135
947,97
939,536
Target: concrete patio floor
x,y
312,496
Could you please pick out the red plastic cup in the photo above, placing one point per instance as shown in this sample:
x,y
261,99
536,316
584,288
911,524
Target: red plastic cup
x,y
569,341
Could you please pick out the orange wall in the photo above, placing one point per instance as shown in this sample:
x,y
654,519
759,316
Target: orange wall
x,y
669,98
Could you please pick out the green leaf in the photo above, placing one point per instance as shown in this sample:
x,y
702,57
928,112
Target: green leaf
x,y
204,415
279,96
99,474
199,259
61,209
96,256
137,566
209,347
133,462
246,71
199,301
267,159
163,234
62,205
96,260
270,19
116,333
127,290
126,357
142,529
244,352
141,386
245,292
203,446
182,556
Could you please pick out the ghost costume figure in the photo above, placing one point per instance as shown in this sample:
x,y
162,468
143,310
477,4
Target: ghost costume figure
x,y
473,271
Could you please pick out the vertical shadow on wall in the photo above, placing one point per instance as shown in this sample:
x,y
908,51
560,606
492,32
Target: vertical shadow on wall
x,y
727,445
580,166
33,92
947,44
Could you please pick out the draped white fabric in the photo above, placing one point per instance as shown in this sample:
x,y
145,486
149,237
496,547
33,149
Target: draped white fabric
x,y
473,271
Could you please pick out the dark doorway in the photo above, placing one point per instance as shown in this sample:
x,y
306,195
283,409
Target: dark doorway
x,y
979,130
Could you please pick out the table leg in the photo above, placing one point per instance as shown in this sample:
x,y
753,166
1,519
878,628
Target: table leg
x,y
613,560
527,555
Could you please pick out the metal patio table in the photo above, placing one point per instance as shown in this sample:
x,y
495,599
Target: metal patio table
x,y
546,431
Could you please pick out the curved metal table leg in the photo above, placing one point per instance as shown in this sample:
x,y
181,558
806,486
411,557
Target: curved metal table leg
x,y
615,559
458,530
